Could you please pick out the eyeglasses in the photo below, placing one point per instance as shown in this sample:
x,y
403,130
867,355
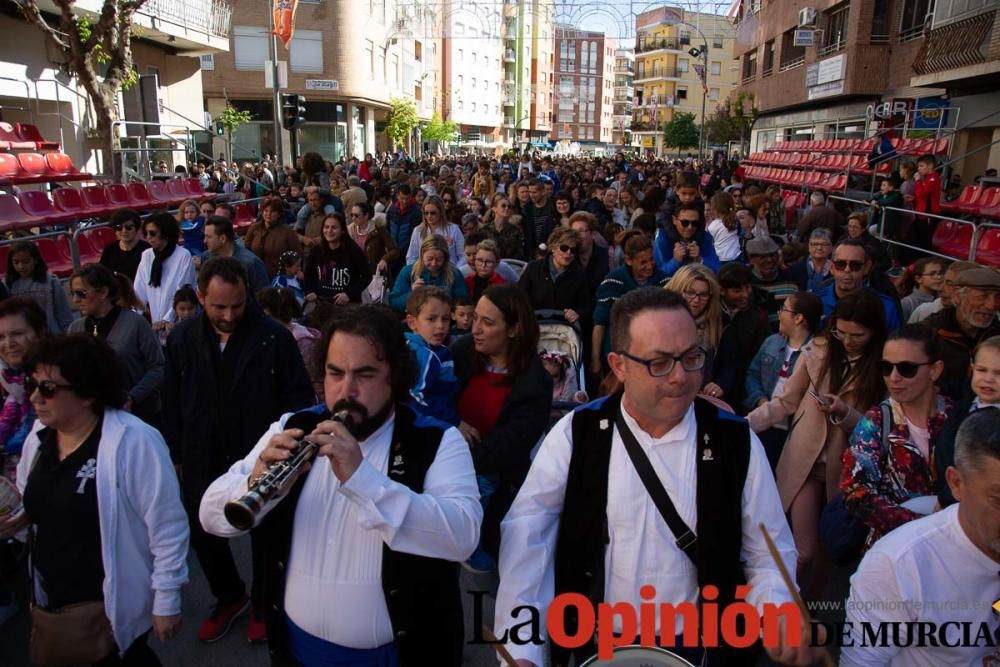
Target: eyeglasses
x,y
431,212
819,244
567,248
907,369
692,295
128,227
79,293
47,388
845,337
691,361
843,265
786,309
687,223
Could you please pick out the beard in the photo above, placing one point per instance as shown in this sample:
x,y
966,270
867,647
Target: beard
x,y
362,428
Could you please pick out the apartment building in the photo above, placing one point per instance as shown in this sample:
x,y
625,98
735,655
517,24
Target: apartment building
x,y
348,60
527,71
472,48
669,77
621,115
585,81
172,34
862,54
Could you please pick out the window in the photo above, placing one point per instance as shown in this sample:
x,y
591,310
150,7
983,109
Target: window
x,y
716,69
682,92
835,37
250,47
473,82
685,37
370,58
459,29
593,57
306,52
682,65
750,66
713,94
473,57
381,65
207,62
584,57
461,81
395,71
768,57
461,55
717,42
916,14
791,55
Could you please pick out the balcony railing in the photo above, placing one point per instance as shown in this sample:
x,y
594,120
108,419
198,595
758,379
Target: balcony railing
x,y
833,48
878,40
749,77
211,16
628,69
792,64
646,45
659,73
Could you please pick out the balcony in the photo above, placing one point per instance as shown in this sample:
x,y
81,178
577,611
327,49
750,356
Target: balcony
x,y
624,92
187,24
792,64
958,51
508,121
658,73
509,56
648,45
832,48
624,69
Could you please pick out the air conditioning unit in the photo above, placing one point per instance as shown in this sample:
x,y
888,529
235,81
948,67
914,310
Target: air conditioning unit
x,y
807,17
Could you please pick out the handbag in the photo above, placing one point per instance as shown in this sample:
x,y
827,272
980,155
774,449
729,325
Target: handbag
x,y
71,635
843,535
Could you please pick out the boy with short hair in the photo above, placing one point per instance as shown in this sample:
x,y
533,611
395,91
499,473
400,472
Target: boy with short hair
x,y
461,316
927,199
986,374
435,390
685,194
482,183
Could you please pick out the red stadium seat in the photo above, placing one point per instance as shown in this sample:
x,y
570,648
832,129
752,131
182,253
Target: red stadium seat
x,y
10,168
969,195
89,252
4,252
12,216
96,199
9,139
101,236
60,164
988,247
30,133
989,200
944,233
160,193
244,216
193,187
38,204
139,195
70,201
118,196
177,189
55,252
33,164
972,207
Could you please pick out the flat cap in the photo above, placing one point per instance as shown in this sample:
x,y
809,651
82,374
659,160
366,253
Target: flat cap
x,y
981,277
761,245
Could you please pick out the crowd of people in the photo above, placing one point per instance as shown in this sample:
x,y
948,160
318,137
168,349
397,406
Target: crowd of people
x,y
747,364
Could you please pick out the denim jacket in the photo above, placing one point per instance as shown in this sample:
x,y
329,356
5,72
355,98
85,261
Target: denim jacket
x,y
765,367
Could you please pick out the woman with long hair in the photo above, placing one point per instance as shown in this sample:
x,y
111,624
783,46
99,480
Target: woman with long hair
x,y
28,276
336,269
890,460
433,267
835,382
315,172
724,228
505,398
629,202
700,289
374,239
504,228
436,223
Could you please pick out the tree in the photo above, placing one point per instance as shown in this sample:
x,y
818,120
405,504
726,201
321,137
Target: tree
x,y
98,53
681,131
402,119
440,130
231,119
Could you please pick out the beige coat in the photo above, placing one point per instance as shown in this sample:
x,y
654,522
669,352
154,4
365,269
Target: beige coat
x,y
810,433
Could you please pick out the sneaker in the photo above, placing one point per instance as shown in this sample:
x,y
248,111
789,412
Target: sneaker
x,y
479,562
221,619
256,630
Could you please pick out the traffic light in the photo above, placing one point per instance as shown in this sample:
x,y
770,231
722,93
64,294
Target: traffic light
x,y
220,129
293,111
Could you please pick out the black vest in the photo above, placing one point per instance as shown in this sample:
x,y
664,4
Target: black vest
x,y
422,594
583,526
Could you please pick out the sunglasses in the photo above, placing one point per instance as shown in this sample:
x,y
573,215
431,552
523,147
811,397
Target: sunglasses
x,y
127,227
842,265
687,223
568,248
47,388
907,369
79,293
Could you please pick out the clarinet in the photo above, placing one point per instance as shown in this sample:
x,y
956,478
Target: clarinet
x,y
242,512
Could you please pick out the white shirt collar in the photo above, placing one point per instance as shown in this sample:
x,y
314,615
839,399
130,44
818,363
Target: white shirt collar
x,y
682,432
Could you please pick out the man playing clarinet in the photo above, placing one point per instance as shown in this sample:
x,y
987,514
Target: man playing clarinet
x,y
363,546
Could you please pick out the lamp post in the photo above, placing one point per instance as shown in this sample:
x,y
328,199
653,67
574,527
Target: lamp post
x,y
703,52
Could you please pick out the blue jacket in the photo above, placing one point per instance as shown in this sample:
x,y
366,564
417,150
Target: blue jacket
x,y
435,390
663,251
402,223
765,367
893,318
402,287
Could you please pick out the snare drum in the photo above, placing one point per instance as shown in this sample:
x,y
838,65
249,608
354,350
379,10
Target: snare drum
x,y
640,656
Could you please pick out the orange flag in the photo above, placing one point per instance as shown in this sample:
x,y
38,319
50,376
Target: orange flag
x,y
284,20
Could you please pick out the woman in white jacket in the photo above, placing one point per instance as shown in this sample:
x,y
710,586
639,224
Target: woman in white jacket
x,y
436,222
101,499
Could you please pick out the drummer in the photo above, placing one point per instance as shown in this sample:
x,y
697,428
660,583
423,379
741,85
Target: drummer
x,y
585,521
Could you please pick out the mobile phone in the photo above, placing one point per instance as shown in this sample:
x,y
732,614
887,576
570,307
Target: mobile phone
x,y
819,399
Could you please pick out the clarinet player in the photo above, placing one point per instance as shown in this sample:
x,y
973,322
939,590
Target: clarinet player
x,y
363,546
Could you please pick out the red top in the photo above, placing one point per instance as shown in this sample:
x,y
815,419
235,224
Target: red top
x,y
480,403
927,194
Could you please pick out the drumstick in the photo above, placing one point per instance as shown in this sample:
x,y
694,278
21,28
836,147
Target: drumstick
x,y
793,589
491,638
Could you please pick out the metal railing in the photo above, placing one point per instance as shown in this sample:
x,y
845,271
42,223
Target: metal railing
x,y
212,17
792,64
832,48
647,45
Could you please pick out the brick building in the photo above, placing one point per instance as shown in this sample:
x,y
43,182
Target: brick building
x,y
347,59
585,78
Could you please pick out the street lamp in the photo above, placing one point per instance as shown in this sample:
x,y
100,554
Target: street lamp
x,y
695,52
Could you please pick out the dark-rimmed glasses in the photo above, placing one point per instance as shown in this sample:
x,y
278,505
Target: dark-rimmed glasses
x,y
691,361
47,388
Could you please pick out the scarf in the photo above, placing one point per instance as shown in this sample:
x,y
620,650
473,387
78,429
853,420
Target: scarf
x,y
159,258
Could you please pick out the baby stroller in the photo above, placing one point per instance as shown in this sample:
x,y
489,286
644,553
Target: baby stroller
x,y
556,335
